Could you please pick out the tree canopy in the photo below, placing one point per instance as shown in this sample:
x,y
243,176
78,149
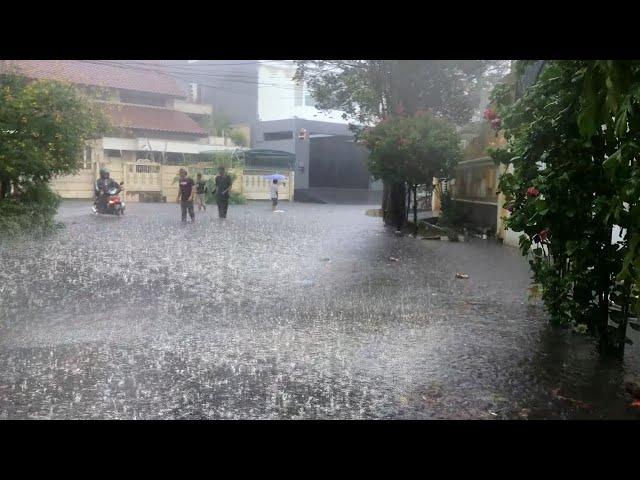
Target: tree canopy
x,y
412,149
369,90
44,126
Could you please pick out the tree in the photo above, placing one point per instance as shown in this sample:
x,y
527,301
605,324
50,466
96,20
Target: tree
x,y
370,90
239,138
412,150
44,127
572,145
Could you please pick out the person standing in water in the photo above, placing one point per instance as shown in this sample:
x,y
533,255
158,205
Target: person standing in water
x,y
201,187
222,189
185,195
274,194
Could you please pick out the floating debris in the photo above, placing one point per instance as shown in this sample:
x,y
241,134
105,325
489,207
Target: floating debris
x,y
464,276
394,259
577,403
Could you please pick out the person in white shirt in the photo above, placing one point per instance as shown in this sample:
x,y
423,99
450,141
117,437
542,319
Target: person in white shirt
x,y
274,194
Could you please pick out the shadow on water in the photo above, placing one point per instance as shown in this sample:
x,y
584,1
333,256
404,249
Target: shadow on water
x,y
577,383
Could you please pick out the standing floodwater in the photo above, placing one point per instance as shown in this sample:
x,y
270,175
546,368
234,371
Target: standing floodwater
x,y
302,314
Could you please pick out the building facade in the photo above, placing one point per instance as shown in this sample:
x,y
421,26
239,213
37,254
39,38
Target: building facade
x,y
281,114
153,125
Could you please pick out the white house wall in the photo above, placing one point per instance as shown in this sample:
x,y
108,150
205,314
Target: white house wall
x,y
276,96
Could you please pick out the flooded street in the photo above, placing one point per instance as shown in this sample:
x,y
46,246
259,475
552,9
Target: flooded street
x,y
295,315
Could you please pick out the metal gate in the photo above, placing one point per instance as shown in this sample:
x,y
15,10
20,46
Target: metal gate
x,y
142,177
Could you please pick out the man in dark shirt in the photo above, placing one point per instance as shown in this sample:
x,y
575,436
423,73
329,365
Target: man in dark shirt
x,y
185,195
222,189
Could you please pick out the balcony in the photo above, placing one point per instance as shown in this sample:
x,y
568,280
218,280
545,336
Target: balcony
x,y
192,108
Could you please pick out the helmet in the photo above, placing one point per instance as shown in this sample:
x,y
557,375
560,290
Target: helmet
x,y
104,172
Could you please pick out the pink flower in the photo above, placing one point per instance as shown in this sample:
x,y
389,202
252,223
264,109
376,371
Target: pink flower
x,y
532,192
490,115
496,123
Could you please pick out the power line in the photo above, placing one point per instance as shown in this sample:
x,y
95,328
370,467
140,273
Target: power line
x,y
167,70
180,69
176,75
215,87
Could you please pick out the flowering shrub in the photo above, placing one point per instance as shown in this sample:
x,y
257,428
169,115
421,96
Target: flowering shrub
x,y
573,149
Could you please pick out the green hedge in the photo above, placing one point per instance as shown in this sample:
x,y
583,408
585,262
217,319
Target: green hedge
x,y
32,212
235,198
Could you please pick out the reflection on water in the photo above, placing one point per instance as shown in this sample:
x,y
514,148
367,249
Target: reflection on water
x,y
295,315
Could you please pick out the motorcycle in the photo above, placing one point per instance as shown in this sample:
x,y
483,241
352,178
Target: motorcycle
x,y
113,205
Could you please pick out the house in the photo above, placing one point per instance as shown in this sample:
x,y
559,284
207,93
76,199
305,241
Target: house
x,y
155,125
282,116
474,187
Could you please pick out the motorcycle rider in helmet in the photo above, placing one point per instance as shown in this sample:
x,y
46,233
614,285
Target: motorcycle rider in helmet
x,y
102,187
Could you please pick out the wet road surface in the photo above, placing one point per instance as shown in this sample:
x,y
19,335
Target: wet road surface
x,y
299,314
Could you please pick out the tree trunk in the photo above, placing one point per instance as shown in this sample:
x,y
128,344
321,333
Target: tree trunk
x,y
415,209
612,342
385,199
395,211
5,187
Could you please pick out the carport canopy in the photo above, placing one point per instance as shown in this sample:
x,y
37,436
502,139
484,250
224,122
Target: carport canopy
x,y
259,158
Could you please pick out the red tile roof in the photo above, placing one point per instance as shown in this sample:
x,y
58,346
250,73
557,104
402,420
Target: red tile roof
x,y
150,118
103,73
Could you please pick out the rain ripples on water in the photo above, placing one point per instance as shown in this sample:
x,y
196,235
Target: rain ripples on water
x,y
296,315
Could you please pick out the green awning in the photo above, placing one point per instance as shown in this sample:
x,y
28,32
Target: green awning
x,y
259,158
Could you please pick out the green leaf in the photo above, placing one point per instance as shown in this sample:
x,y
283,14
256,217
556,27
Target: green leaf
x,y
587,122
621,123
611,163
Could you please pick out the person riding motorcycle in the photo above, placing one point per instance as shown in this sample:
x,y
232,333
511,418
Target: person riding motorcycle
x,y
102,187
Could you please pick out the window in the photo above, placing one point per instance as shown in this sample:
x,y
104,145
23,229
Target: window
x,y
278,136
112,153
309,101
302,96
139,98
298,95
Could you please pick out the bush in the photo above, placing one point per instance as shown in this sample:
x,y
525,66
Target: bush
x,y
573,177
452,215
32,212
239,138
235,198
